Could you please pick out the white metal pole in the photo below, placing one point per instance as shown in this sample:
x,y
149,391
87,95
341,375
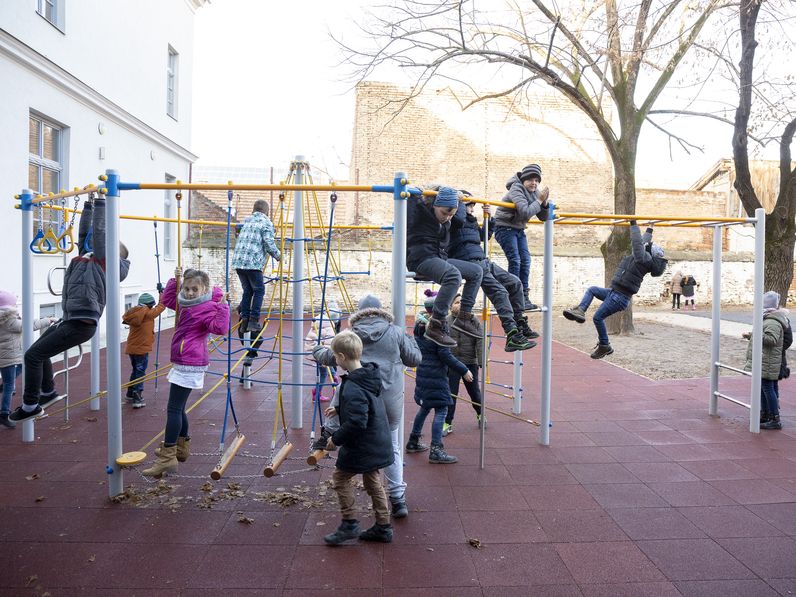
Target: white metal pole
x,y
516,383
399,270
94,403
757,320
28,306
113,315
297,362
715,332
484,359
547,330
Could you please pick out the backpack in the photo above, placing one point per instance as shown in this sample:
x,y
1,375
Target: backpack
x,y
787,340
658,266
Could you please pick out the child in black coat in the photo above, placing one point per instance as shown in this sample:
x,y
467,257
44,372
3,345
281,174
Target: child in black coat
x,y
433,392
364,439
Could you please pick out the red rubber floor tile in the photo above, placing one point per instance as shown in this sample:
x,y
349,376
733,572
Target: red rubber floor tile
x,y
605,562
558,497
718,470
632,589
502,527
625,495
488,498
660,472
768,557
725,588
690,493
782,516
430,566
654,523
354,566
694,559
580,526
625,454
754,491
601,473
729,521
241,566
523,565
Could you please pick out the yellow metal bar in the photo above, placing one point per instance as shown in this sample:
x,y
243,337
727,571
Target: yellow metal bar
x,y
64,194
200,186
644,218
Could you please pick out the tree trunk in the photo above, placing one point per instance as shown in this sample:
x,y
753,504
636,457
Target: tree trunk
x,y
617,245
780,241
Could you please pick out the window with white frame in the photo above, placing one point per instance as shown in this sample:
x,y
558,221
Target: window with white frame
x,y
169,228
51,310
52,11
46,158
130,301
172,70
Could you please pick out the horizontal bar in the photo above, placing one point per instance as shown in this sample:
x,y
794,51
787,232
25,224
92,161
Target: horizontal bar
x,y
731,399
203,186
741,371
64,194
642,218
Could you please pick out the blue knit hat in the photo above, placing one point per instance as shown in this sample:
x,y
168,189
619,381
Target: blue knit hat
x,y
447,197
146,299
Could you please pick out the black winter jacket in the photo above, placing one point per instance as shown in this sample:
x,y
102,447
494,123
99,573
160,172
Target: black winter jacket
x,y
632,269
425,236
364,433
467,237
84,292
431,386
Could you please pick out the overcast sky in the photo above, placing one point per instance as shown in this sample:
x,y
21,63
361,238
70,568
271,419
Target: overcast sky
x,y
268,86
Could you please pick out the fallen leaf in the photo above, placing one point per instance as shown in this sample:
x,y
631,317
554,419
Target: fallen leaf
x,y
245,519
277,524
92,558
320,524
429,549
41,498
65,427
90,419
32,477
30,580
475,543
208,486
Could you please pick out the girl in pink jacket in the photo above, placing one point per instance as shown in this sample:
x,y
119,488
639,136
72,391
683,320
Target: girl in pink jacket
x,y
200,312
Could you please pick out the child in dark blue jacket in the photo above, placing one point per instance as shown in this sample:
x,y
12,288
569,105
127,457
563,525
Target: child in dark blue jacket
x,y
433,392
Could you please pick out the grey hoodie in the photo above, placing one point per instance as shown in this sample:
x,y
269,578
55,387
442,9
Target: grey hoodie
x,y
11,335
386,345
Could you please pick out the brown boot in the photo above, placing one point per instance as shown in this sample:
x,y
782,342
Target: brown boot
x,y
467,324
165,463
183,449
435,331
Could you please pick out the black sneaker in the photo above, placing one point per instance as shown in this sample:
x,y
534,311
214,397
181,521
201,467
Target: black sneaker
x,y
413,445
46,400
129,395
602,350
381,533
348,529
525,329
138,402
21,414
516,341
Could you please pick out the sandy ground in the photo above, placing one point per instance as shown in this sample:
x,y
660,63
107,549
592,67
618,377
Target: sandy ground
x,y
657,350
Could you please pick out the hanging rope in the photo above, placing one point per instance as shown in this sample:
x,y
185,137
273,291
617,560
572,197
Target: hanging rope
x,y
160,290
230,407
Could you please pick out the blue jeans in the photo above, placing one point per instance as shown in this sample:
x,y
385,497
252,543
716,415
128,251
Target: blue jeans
x,y
448,274
613,302
436,425
769,396
253,292
10,375
139,363
515,245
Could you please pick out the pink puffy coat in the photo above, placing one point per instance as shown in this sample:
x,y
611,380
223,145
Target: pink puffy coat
x,y
194,324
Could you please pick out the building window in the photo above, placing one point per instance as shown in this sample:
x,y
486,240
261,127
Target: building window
x,y
169,228
130,301
172,71
51,310
52,11
46,158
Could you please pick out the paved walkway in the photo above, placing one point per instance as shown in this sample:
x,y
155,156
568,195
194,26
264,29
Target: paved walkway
x,y
639,493
732,324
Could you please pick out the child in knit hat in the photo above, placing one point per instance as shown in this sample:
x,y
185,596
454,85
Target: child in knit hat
x,y
11,349
141,320
428,222
529,201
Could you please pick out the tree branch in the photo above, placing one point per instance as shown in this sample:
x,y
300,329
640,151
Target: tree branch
x,y
762,142
682,142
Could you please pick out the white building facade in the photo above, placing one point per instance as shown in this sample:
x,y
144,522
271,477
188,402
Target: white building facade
x,y
90,85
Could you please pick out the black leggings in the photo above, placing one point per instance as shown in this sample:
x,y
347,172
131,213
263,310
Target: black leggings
x,y
176,419
675,300
473,390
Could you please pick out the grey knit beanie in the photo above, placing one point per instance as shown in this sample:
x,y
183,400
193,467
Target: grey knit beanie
x,y
369,302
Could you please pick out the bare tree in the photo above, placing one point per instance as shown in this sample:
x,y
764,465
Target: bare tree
x,y
611,61
781,222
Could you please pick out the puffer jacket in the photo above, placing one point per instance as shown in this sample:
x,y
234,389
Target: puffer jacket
x,y
632,269
84,293
431,385
688,283
11,335
468,350
676,279
141,320
526,205
467,237
773,335
364,434
385,345
425,236
194,324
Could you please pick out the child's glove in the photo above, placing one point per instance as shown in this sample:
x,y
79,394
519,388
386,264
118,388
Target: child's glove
x,y
159,287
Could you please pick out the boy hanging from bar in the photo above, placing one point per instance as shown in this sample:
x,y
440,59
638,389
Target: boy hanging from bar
x,y
82,303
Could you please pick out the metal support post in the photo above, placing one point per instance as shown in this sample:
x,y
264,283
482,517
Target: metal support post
x,y
297,363
28,305
757,321
516,383
715,332
400,196
94,403
113,316
247,369
484,360
547,330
